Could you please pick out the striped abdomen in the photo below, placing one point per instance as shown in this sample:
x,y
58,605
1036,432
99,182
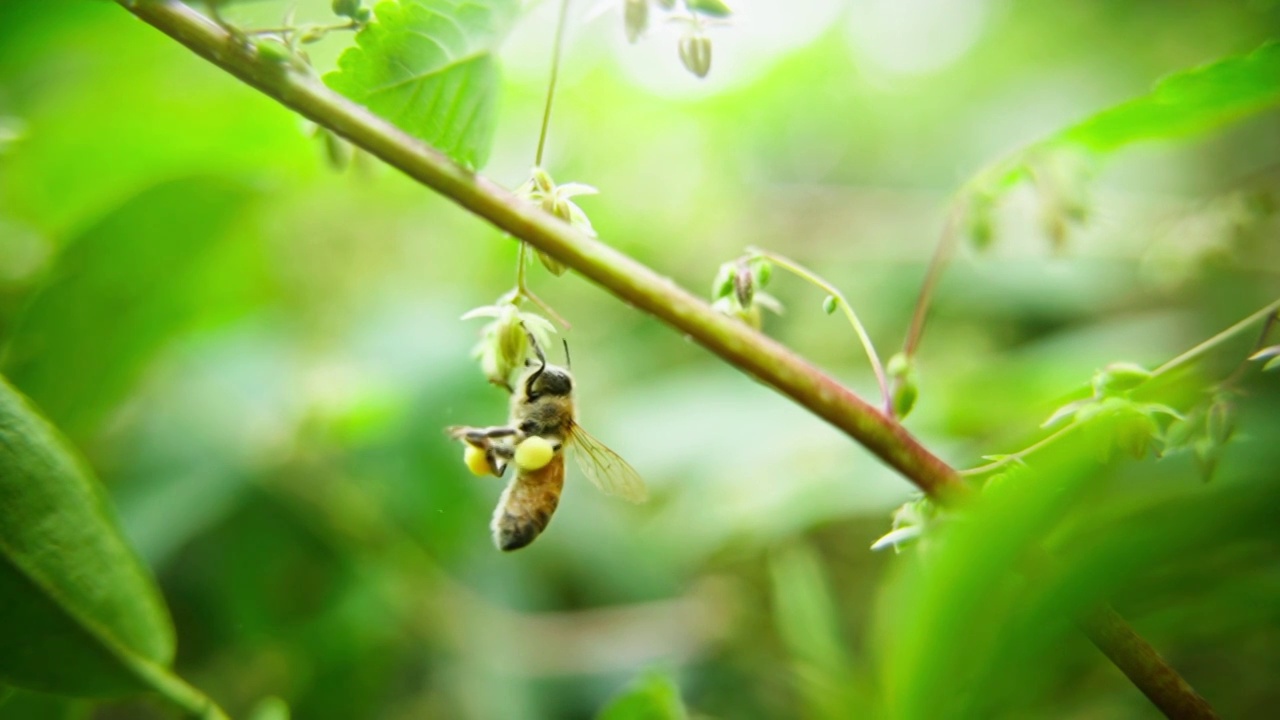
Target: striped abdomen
x,y
527,504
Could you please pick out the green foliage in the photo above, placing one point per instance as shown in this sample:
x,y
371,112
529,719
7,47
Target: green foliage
x,y
428,67
124,287
652,697
266,409
808,621
1191,101
81,616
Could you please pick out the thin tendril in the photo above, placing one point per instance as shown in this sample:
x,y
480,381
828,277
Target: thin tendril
x,y
557,47
804,274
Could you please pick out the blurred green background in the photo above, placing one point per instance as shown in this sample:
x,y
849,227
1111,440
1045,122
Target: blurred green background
x,y
257,354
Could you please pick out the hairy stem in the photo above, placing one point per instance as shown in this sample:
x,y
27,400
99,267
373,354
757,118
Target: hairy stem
x,y
734,341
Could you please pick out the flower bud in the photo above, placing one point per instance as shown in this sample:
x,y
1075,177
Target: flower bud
x,y
554,266
346,8
695,53
542,181
711,8
272,50
636,18
762,270
906,389
829,304
722,286
1219,423
1119,377
744,285
311,34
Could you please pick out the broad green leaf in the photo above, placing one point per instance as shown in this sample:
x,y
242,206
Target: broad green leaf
x,y
1191,101
79,613
119,291
1187,102
428,66
951,619
653,697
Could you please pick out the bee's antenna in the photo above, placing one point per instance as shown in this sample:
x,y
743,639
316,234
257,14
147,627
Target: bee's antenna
x,y
568,364
542,358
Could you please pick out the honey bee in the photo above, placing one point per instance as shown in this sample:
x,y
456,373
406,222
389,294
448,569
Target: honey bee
x,y
541,426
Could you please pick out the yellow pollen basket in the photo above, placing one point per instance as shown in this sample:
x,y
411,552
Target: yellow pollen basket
x,y
534,453
476,461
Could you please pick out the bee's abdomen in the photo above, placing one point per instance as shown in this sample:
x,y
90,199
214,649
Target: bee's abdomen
x,y
527,505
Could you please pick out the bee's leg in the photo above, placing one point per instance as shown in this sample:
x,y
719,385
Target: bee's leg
x,y
480,437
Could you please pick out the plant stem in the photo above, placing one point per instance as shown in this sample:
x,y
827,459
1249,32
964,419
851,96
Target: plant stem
x,y
937,263
1268,312
556,49
634,283
1216,340
522,257
805,274
1018,456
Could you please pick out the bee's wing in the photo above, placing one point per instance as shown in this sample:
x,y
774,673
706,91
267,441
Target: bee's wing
x,y
605,469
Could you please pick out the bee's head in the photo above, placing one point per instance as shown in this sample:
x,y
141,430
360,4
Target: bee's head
x,y
544,379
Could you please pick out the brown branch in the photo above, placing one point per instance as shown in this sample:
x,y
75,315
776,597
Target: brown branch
x,y
735,342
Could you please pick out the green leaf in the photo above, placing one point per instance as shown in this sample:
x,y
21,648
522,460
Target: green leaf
x,y
428,67
1187,102
122,289
79,613
653,697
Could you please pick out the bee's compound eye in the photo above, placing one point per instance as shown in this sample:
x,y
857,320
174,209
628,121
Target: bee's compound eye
x,y
534,453
476,461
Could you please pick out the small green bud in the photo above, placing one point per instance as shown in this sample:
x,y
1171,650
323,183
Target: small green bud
x,y
744,285
635,17
311,34
554,266
710,8
899,365
762,270
363,15
1135,433
905,393
543,181
695,53
337,151
1219,422
273,50
722,286
560,208
829,304
1119,377
905,389
346,8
